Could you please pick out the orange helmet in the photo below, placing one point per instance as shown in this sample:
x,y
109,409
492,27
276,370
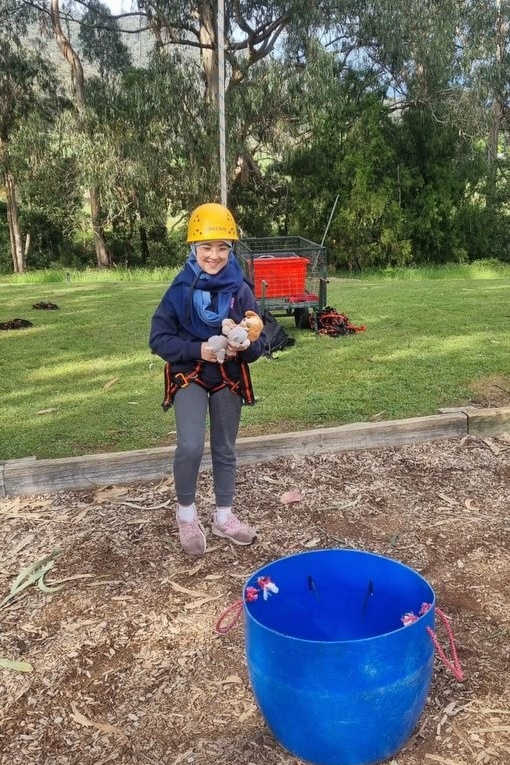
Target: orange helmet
x,y
211,221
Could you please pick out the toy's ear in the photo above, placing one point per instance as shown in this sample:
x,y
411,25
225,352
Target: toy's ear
x,y
253,324
227,325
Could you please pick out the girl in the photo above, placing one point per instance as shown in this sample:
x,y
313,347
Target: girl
x,y
210,288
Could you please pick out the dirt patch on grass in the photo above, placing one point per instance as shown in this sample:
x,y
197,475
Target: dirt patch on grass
x,y
127,665
491,391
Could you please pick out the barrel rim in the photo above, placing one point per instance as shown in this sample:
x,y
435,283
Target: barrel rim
x,y
427,616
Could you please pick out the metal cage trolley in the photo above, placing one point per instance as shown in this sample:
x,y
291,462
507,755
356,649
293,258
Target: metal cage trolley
x,y
289,274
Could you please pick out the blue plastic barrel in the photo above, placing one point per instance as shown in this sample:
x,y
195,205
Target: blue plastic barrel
x,y
335,673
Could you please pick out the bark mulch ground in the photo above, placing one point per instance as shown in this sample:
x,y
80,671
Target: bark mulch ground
x,y
126,664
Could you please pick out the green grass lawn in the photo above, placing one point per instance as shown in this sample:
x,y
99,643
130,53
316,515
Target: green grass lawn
x,y
82,380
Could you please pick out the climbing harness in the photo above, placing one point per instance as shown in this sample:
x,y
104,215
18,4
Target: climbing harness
x,y
330,322
44,306
176,380
16,324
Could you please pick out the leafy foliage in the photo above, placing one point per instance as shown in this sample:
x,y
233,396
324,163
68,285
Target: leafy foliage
x,y
393,114
101,41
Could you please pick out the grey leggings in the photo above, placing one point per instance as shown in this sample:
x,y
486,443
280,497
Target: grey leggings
x,y
190,406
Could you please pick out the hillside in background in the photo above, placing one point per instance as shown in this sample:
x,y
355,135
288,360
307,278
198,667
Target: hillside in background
x,y
139,43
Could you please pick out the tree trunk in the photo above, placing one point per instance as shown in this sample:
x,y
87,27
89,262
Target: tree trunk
x,y
492,152
496,115
78,80
69,54
208,26
144,244
18,258
102,256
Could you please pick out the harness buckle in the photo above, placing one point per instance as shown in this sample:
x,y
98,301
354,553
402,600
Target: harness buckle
x,y
184,380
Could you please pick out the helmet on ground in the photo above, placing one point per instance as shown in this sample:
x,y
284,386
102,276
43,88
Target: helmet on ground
x,y
211,221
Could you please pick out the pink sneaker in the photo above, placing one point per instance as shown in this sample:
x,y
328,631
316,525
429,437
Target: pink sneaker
x,y
192,536
239,533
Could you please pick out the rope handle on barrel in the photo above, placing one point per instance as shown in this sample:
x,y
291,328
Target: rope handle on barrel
x,y
265,587
454,665
236,609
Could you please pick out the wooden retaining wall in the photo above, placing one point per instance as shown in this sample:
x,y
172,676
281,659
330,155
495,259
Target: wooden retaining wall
x,y
33,476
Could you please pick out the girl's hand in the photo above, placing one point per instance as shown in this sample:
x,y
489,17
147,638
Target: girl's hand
x,y
207,353
233,348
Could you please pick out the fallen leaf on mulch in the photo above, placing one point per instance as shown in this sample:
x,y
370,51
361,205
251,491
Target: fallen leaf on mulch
x,y
16,666
448,500
228,680
291,496
249,712
185,591
109,492
198,603
182,757
442,760
105,727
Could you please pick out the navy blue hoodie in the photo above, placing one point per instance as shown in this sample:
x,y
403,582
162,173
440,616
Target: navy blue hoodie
x,y
171,339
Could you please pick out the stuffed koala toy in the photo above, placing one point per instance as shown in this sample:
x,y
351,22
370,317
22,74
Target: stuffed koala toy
x,y
238,335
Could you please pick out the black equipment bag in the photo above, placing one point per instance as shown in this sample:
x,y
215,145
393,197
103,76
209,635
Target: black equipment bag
x,y
276,337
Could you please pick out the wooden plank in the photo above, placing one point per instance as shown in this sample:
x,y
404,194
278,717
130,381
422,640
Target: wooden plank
x,y
86,472
365,435
488,422
91,471
3,492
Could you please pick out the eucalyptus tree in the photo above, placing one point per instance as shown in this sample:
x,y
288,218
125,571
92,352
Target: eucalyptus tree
x,y
156,162
265,50
101,44
25,78
451,61
438,162
264,45
49,185
414,118
345,165
485,56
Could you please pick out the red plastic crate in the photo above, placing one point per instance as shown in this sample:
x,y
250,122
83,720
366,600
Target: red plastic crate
x,y
285,276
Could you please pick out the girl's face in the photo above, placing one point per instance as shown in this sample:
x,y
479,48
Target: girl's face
x,y
212,256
